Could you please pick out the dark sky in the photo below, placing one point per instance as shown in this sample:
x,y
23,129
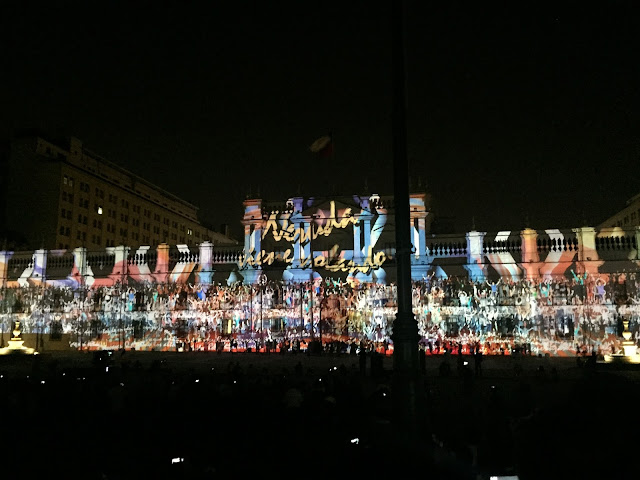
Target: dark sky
x,y
515,109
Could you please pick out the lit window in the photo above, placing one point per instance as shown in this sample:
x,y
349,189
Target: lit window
x,y
99,210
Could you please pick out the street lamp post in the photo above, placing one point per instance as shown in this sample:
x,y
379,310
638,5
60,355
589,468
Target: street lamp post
x,y
301,311
323,303
408,408
262,281
3,307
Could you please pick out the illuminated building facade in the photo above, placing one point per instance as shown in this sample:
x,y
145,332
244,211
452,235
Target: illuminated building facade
x,y
61,196
324,269
351,238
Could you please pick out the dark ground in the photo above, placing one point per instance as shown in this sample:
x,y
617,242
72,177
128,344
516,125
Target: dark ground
x,y
248,414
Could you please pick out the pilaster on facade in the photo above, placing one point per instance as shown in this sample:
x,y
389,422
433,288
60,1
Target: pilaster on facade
x,y
81,269
161,272
420,260
121,264
39,266
361,236
300,251
418,215
253,227
531,263
301,267
204,275
4,266
588,261
475,265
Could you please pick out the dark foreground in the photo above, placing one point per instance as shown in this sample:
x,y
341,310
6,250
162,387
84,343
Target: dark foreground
x,y
130,415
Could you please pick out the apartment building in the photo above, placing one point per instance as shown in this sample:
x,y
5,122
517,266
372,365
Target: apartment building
x,y
59,195
627,218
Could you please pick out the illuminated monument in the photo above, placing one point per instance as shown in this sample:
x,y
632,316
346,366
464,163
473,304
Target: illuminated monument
x,y
16,344
629,349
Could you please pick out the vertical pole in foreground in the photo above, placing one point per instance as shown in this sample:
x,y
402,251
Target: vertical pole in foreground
x,y
407,384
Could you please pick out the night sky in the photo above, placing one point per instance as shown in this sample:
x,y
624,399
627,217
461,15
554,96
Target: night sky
x,y
516,110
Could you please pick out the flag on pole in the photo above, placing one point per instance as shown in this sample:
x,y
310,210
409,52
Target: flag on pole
x,y
323,146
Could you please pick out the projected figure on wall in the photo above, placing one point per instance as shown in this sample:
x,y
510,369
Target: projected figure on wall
x,y
579,289
494,290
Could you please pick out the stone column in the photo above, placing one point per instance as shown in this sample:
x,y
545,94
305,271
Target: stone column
x,y
4,264
588,260
205,272
530,256
161,273
475,265
80,271
40,265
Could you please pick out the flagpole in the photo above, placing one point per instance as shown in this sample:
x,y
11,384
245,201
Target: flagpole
x,y
332,134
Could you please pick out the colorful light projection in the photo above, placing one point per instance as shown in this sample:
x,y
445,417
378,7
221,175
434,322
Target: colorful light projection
x,y
299,231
